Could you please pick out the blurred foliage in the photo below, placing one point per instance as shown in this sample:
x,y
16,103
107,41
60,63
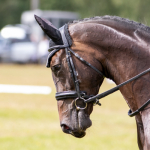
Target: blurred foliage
x,y
138,10
64,5
10,11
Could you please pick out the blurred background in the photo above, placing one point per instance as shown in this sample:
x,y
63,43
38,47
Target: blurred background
x,y
22,40
29,119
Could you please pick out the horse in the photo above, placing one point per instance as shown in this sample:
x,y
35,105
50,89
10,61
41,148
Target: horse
x,y
117,49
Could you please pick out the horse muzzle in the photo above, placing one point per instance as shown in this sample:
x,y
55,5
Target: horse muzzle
x,y
75,133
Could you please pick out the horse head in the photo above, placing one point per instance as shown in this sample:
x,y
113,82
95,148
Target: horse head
x,y
114,47
72,120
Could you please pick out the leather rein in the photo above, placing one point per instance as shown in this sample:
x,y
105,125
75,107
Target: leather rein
x,y
82,95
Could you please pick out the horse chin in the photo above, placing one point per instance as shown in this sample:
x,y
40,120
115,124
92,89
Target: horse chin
x,y
78,134
75,133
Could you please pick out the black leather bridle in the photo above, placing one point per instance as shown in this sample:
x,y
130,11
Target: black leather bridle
x,y
82,95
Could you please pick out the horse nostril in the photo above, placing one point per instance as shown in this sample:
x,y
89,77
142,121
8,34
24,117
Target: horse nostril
x,y
65,128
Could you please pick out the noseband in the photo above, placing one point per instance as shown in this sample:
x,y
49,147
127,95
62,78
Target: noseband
x,y
82,95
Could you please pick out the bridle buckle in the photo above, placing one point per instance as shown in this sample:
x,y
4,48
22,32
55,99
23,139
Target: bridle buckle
x,y
97,102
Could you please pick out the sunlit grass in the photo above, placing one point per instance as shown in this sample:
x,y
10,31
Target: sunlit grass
x,y
31,122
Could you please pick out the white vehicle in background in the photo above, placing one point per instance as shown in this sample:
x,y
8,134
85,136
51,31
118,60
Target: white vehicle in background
x,y
23,52
25,42
4,50
1,43
57,18
18,46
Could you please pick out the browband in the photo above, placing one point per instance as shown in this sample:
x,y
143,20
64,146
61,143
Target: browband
x,y
52,51
57,47
51,54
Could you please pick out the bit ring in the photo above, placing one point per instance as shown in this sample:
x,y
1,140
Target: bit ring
x,y
78,107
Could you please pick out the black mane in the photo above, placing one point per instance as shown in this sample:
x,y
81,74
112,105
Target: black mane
x,y
126,22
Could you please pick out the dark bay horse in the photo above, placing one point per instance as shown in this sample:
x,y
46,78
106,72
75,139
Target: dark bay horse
x,y
119,49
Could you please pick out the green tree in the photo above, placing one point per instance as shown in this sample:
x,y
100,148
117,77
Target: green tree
x,y
138,10
65,5
10,11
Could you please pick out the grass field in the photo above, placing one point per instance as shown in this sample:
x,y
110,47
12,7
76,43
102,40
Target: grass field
x,y
30,122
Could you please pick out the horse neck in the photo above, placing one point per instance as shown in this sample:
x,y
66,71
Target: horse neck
x,y
124,55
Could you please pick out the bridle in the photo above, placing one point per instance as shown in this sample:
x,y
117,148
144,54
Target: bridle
x,y
82,95
77,94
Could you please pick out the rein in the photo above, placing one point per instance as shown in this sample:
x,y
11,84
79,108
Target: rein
x,y
82,95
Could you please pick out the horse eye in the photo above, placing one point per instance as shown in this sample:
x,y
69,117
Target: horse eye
x,y
56,68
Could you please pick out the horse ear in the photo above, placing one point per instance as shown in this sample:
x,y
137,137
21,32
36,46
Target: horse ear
x,y
50,30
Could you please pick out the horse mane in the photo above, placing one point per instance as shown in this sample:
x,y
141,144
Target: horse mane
x,y
126,22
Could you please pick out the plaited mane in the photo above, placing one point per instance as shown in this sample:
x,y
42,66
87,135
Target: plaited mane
x,y
117,19
126,22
